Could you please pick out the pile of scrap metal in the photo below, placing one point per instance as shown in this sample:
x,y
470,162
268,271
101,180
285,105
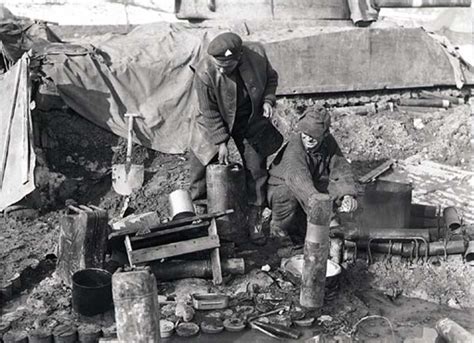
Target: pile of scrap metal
x,y
391,224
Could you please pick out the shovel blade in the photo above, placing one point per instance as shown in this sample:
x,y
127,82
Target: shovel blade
x,y
125,183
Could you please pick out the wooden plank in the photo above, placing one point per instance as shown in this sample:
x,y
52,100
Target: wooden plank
x,y
128,247
215,257
169,231
175,249
170,224
370,176
9,120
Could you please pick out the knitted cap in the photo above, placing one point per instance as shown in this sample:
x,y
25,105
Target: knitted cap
x,y
227,45
314,123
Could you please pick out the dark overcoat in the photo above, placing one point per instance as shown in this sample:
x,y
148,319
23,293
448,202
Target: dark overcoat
x,y
214,121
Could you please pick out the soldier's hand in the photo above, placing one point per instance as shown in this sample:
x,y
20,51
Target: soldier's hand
x,y
223,154
267,110
348,204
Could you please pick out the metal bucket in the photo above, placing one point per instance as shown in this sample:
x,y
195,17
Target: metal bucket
x,y
91,291
181,205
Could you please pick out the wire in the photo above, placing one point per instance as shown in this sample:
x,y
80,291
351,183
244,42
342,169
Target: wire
x,y
354,328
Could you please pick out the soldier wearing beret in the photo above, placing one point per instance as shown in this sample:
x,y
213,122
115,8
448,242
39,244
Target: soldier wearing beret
x,y
235,85
310,168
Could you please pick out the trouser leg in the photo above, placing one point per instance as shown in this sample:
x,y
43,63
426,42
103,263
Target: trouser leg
x,y
287,213
197,178
255,173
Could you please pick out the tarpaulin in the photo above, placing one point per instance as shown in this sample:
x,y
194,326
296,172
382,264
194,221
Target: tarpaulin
x,y
20,35
147,71
17,158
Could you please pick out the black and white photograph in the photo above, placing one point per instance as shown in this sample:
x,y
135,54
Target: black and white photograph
x,y
236,171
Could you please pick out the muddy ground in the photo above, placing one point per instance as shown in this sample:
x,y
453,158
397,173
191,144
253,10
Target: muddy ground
x,y
74,167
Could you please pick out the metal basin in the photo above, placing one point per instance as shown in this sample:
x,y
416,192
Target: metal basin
x,y
294,265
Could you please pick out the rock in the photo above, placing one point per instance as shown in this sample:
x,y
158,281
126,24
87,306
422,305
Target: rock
x,y
255,277
453,303
184,311
418,124
168,310
68,189
324,318
185,287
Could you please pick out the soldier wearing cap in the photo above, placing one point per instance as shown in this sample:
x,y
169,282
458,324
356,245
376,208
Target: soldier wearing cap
x,y
235,85
309,168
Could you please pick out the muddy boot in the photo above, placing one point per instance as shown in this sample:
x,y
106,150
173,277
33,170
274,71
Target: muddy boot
x,y
280,235
255,222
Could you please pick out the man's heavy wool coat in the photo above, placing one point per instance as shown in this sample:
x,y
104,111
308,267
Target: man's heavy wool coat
x,y
214,122
322,170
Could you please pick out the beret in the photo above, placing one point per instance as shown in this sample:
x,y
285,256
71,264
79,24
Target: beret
x,y
226,45
315,122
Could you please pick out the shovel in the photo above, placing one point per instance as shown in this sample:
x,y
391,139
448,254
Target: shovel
x,y
128,177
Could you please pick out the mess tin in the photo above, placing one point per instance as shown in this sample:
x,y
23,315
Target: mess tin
x,y
210,301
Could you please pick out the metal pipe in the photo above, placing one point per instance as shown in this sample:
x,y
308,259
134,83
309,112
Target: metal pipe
x,y
422,3
201,269
451,218
424,102
406,249
364,234
469,255
452,332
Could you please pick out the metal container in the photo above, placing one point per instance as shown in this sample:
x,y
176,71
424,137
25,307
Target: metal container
x,y
40,335
136,306
451,218
226,190
386,204
181,205
294,266
91,291
65,334
210,301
